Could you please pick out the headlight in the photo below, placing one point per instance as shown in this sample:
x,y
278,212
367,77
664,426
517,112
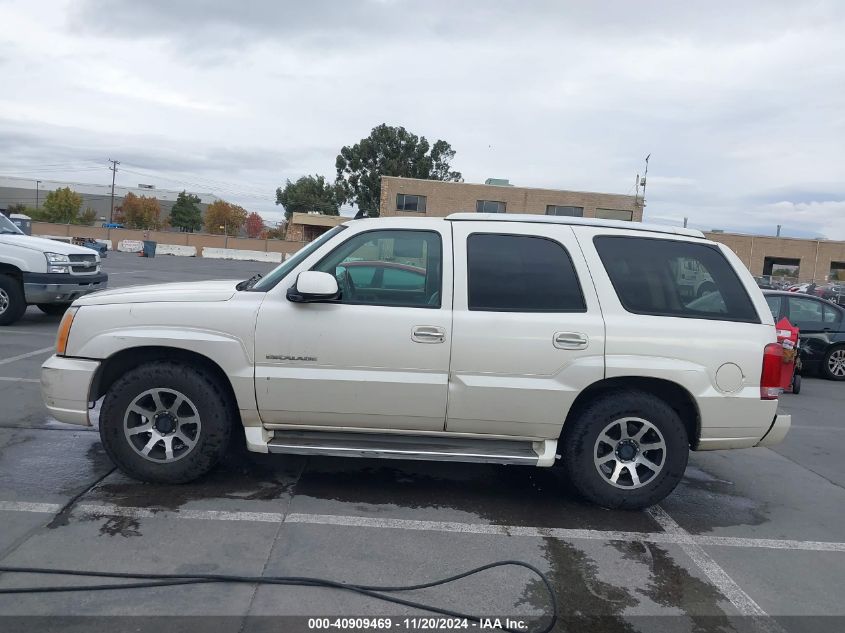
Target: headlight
x,y
57,263
57,258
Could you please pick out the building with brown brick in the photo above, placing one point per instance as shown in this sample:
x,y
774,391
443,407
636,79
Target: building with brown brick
x,y
788,257
416,197
304,227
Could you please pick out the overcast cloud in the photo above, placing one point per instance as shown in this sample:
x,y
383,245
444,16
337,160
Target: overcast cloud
x,y
741,104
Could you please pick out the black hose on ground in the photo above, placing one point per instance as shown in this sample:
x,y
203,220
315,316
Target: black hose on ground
x,y
372,591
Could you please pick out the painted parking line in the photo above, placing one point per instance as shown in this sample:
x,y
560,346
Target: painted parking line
x,y
675,536
13,379
717,576
12,359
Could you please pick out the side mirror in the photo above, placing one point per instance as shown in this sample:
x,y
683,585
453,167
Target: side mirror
x,y
312,286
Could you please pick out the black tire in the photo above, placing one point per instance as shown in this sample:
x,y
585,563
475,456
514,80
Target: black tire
x,y
579,441
211,402
12,300
827,371
796,384
53,309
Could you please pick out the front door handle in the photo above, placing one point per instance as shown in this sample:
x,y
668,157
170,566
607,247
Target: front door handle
x,y
570,340
428,334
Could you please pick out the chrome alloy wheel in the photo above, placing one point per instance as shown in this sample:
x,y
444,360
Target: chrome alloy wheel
x,y
629,453
4,301
835,362
162,425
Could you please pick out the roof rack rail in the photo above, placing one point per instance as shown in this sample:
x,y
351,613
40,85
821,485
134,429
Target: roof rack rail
x,y
559,219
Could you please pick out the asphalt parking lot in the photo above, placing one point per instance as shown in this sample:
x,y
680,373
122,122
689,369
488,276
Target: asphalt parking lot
x,y
751,540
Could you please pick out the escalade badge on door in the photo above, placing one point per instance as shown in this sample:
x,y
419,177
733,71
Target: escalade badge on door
x,y
294,358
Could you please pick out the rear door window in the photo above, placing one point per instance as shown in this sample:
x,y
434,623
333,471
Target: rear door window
x,y
521,273
811,315
674,278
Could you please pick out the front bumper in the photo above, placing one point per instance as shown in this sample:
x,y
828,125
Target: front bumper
x,y
778,430
61,287
65,385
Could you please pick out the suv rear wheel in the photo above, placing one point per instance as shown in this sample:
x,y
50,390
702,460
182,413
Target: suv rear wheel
x,y
627,449
166,422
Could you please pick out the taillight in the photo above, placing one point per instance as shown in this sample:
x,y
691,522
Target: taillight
x,y
772,366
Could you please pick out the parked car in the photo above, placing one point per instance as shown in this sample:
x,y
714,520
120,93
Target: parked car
x,y
89,242
798,287
535,340
764,283
821,325
832,292
46,273
112,225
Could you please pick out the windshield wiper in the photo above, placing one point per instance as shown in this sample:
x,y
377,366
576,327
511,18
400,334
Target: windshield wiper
x,y
5,231
246,284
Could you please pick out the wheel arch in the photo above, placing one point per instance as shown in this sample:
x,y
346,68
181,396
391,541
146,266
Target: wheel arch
x,y
11,271
126,359
673,394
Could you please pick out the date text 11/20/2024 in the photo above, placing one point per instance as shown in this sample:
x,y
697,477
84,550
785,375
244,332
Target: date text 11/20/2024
x,y
417,624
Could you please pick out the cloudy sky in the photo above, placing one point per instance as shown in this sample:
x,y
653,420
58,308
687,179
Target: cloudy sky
x,y
741,104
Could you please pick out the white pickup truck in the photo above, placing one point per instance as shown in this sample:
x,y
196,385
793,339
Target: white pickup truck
x,y
42,272
517,339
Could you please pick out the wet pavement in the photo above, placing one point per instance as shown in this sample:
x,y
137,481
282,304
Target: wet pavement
x,y
747,535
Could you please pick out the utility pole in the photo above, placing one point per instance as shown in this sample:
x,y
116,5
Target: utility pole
x,y
37,185
113,168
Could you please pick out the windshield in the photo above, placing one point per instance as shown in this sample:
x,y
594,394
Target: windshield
x,y
7,226
278,273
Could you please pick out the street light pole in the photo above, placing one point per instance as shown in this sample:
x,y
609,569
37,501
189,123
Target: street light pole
x,y
37,184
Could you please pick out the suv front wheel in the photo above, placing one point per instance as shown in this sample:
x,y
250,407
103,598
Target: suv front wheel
x,y
166,422
627,449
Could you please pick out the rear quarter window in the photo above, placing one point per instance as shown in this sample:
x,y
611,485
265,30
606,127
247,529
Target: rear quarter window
x,y
674,278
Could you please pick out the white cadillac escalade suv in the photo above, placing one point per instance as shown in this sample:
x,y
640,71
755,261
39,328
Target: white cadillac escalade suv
x,y
505,339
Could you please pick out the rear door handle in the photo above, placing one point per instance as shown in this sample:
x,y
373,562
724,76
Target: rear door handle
x,y
571,340
428,334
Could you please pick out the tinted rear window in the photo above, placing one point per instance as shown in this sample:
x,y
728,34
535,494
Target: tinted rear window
x,y
521,273
674,278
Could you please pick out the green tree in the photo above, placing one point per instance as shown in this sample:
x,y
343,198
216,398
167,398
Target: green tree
x,y
310,193
224,217
62,205
186,214
390,151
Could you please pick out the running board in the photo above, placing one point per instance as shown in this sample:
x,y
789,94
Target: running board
x,y
433,448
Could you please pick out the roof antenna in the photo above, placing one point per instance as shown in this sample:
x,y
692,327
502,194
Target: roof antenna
x,y
361,215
